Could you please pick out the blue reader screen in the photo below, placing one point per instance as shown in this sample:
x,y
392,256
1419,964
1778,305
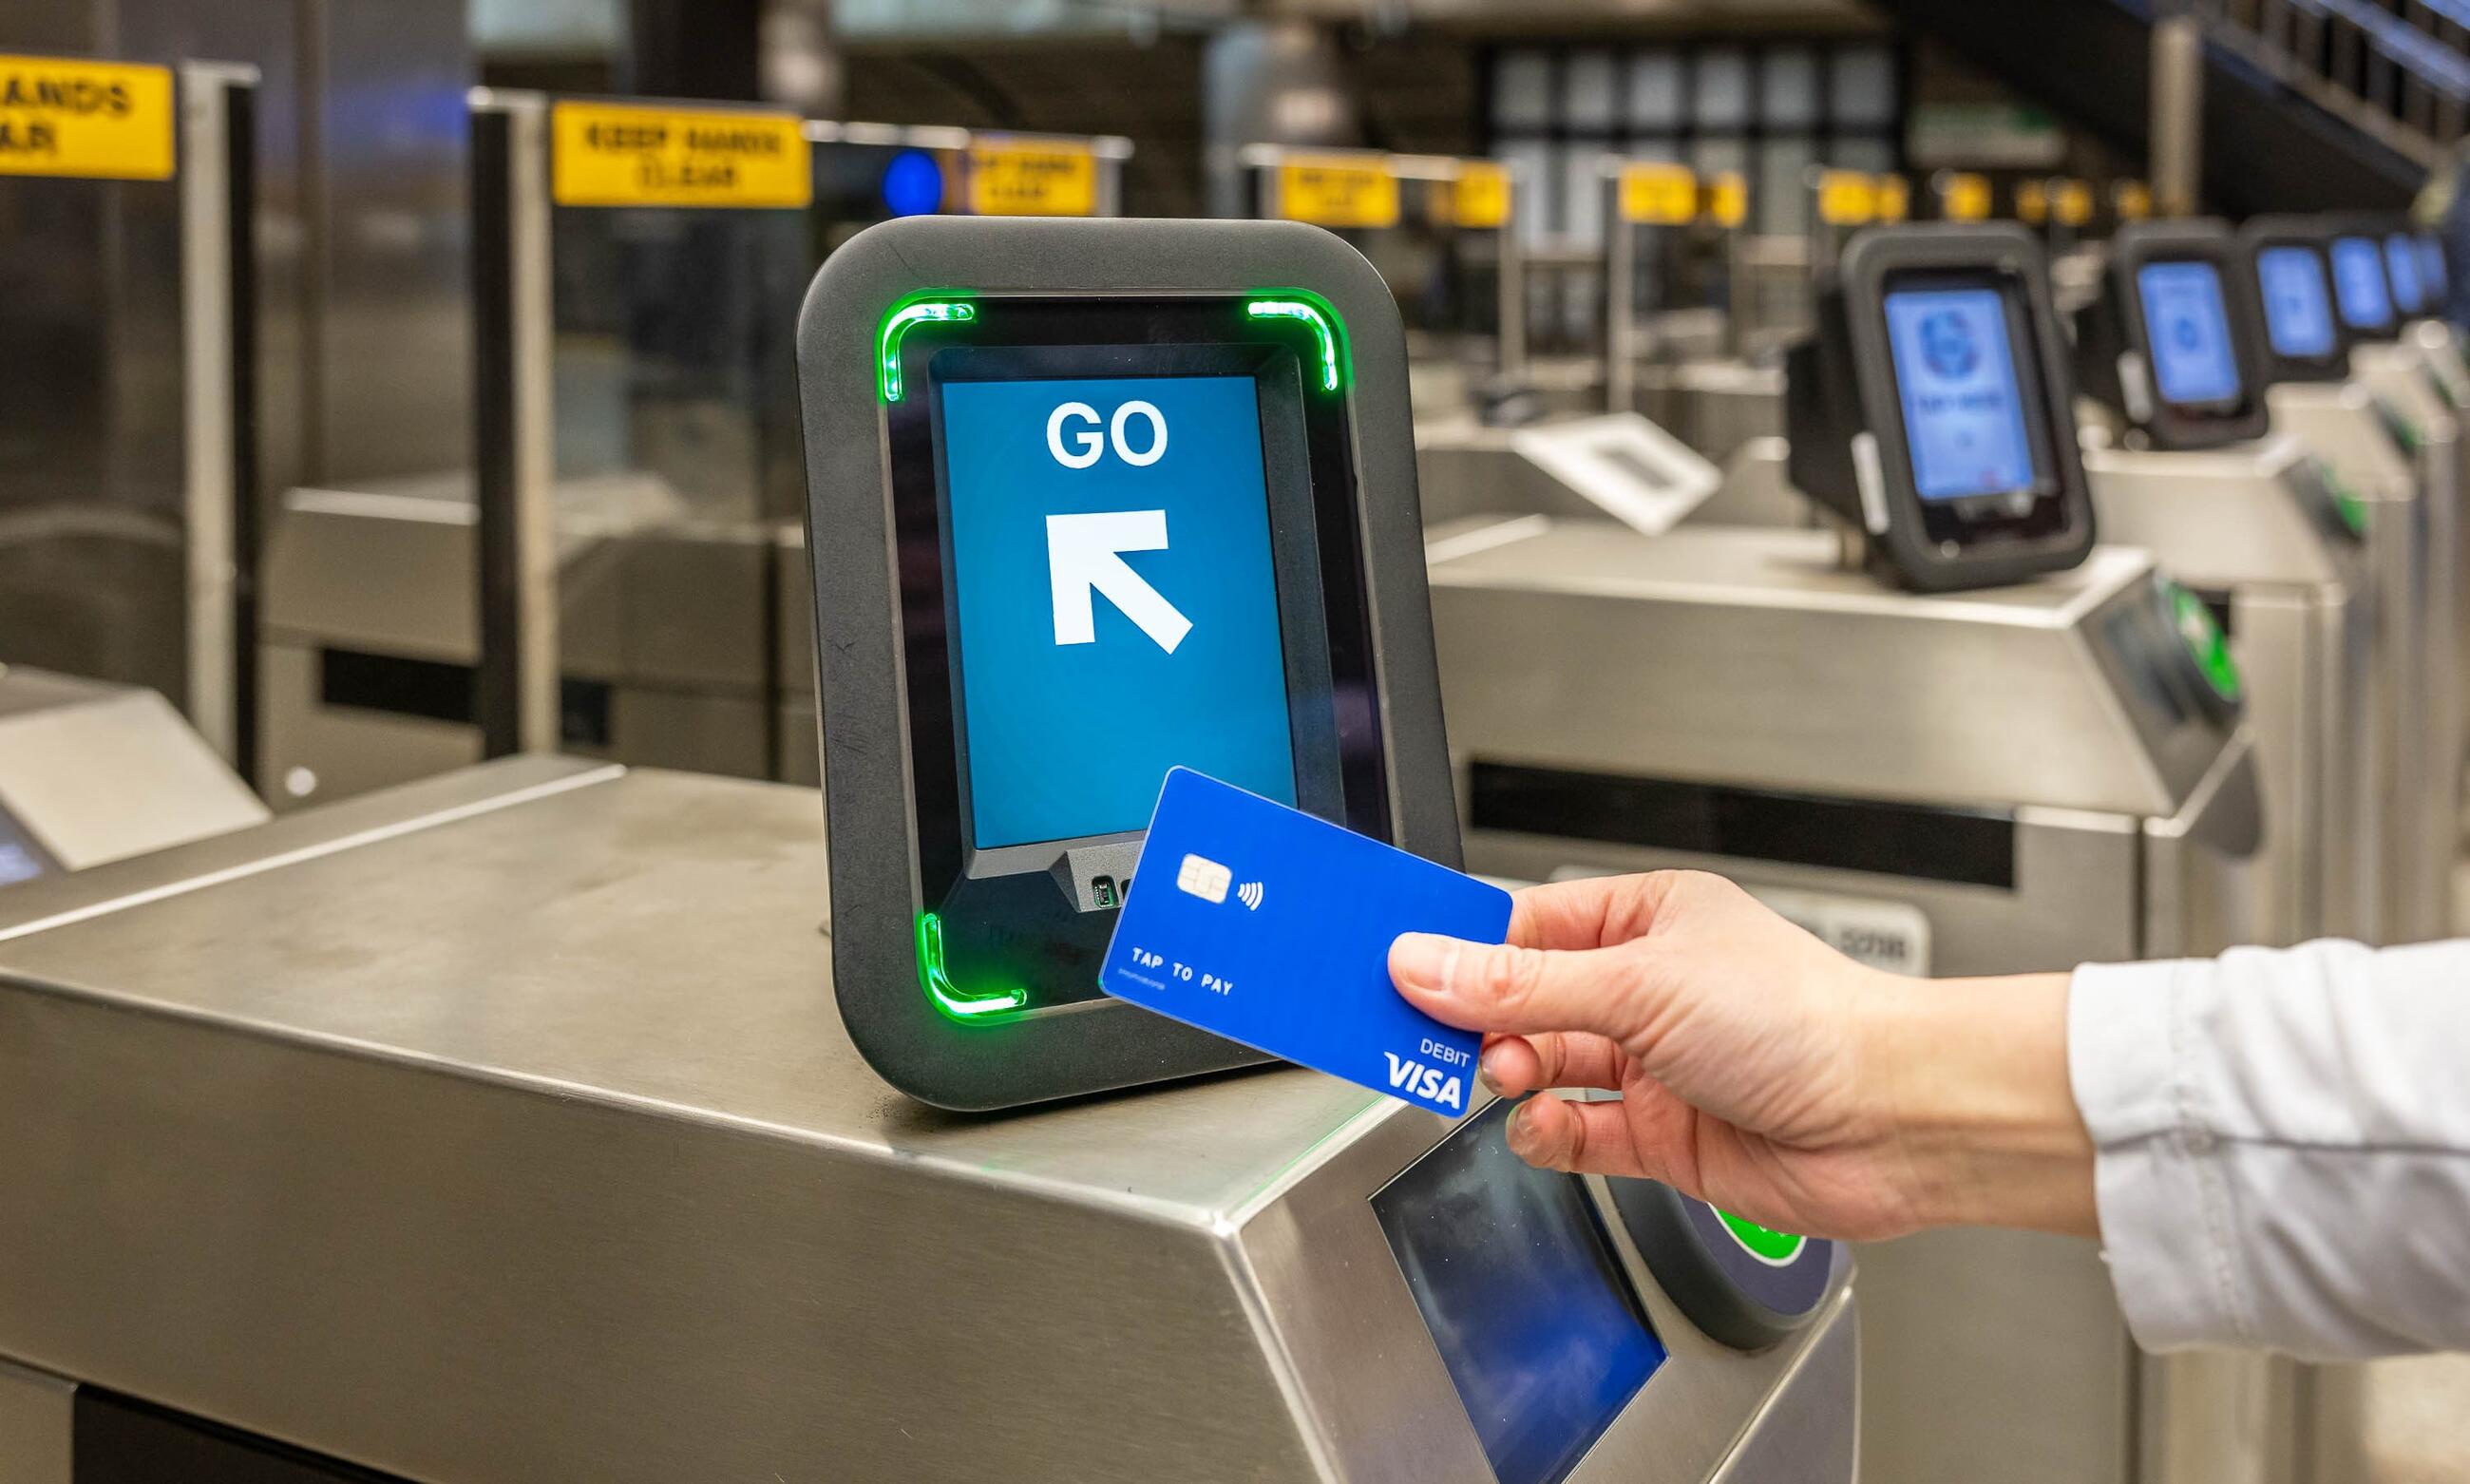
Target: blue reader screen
x,y
2297,303
2401,264
2189,327
1115,599
1955,371
2359,282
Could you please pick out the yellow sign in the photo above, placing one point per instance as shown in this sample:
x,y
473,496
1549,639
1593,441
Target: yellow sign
x,y
1479,197
1895,199
1336,192
2131,199
2032,201
1659,195
1021,178
1728,200
621,154
1963,197
2073,203
94,120
1847,197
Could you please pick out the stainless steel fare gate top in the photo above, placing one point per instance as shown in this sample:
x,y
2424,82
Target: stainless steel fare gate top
x,y
499,1127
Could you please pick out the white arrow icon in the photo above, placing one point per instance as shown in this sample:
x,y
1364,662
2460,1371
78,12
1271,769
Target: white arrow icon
x,y
1083,553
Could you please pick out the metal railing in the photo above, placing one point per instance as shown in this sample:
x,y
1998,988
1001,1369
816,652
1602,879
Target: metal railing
x,y
2401,75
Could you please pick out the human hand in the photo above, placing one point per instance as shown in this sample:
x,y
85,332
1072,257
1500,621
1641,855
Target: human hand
x,y
1758,1068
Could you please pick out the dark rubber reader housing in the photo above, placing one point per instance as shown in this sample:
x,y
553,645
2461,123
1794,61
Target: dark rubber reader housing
x,y
966,974
2292,274
2120,362
1852,447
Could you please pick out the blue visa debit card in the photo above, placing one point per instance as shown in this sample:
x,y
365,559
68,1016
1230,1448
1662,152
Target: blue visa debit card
x,y
1268,926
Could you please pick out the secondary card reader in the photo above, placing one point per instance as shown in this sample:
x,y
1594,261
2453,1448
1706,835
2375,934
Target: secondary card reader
x,y
2173,341
1931,409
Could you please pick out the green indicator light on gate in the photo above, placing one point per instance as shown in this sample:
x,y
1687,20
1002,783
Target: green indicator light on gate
x,y
2346,502
905,318
2354,512
2205,641
1768,1245
1329,332
966,1008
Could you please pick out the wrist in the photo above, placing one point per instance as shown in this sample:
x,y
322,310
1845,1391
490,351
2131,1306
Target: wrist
x,y
1979,1102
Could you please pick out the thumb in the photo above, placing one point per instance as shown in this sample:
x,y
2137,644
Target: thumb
x,y
1504,988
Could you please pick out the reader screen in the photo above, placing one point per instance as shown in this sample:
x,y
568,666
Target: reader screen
x,y
2359,281
2188,328
2401,264
1964,412
1115,599
1539,1330
2432,277
2297,303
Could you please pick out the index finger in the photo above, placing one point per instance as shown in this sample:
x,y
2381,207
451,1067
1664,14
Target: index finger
x,y
1588,912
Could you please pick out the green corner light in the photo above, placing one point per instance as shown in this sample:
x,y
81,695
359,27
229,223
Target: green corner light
x,y
938,983
1329,331
905,317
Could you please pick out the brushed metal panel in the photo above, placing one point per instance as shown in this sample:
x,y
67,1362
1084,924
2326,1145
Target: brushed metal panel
x,y
2397,373
35,1418
708,734
51,902
2219,519
1716,407
1465,468
116,773
648,591
1749,656
1757,490
1805,1434
2301,617
310,752
1993,1354
2337,421
2075,898
518,1141
446,1277
386,161
677,613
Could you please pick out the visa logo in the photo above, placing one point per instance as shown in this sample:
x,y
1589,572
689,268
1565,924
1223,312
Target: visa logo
x,y
1423,1081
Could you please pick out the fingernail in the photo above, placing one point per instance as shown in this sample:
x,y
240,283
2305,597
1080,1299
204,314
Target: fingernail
x,y
1487,1068
1423,961
1523,1135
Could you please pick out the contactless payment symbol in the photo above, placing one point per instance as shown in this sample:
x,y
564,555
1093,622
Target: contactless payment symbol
x,y
1948,346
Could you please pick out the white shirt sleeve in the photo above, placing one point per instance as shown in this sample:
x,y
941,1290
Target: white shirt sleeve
x,y
2282,1146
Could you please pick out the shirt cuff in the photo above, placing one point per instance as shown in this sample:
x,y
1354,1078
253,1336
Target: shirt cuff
x,y
2163,1202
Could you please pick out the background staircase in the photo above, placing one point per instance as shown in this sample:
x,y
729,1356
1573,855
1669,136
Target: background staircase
x,y
2309,104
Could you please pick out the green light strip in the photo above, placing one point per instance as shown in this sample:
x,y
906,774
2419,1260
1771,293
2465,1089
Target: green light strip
x,y
1774,1248
905,318
938,983
2206,643
1328,329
